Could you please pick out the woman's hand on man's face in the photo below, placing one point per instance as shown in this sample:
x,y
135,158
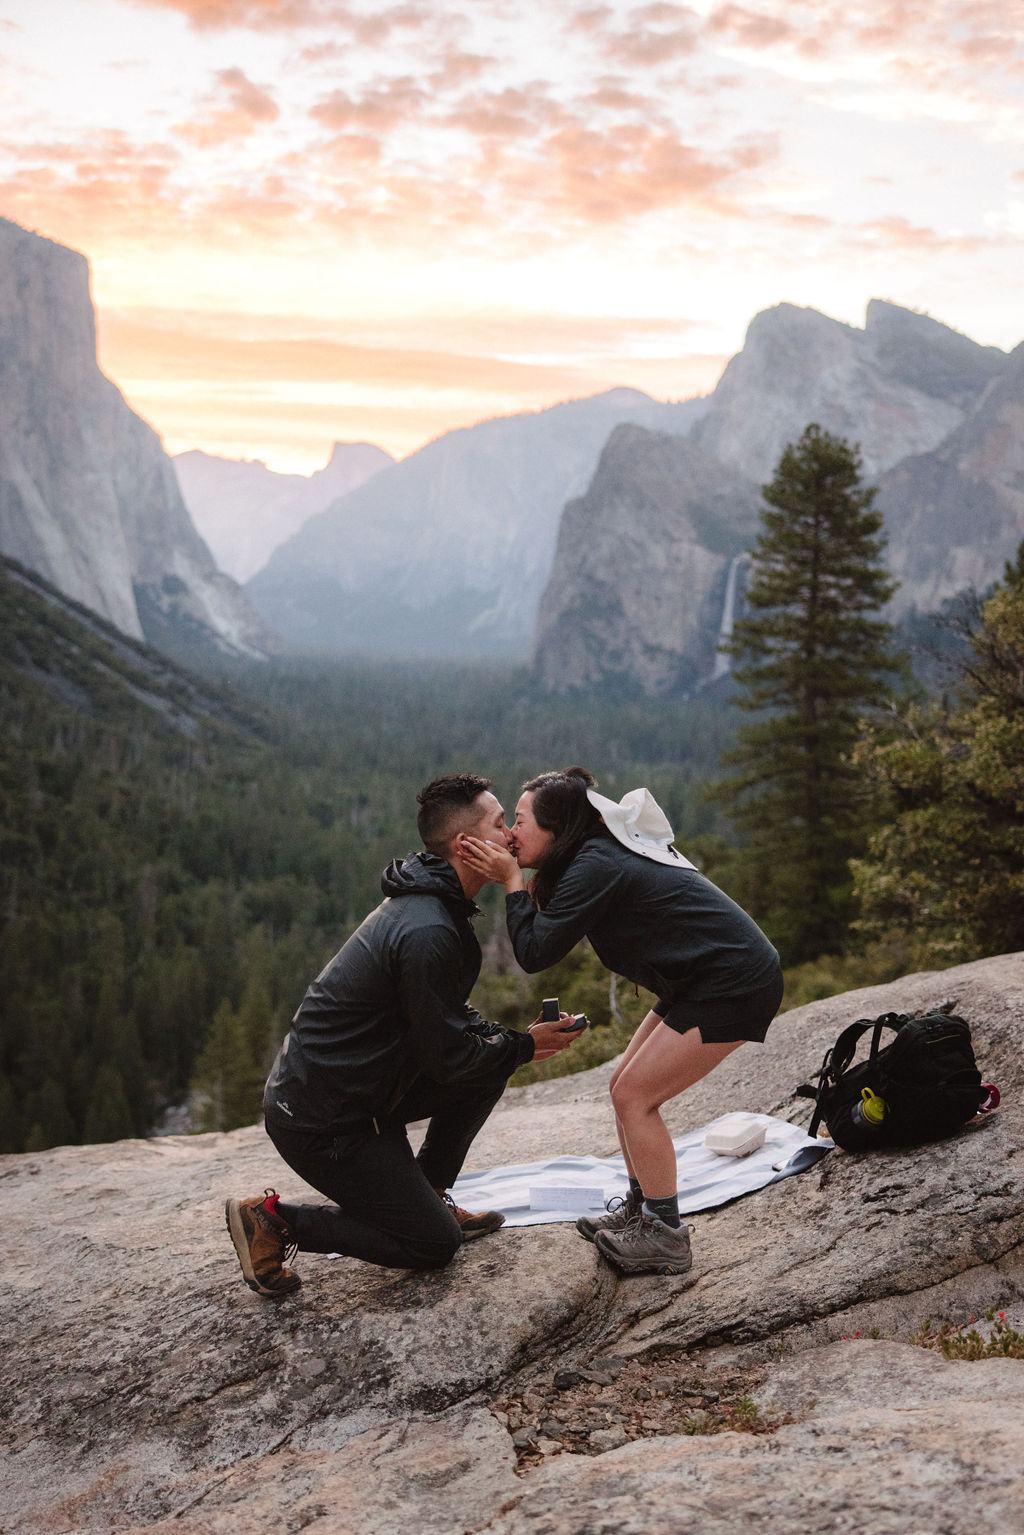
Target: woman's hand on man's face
x,y
493,861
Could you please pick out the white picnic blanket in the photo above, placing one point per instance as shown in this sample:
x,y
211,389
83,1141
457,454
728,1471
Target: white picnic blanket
x,y
563,1188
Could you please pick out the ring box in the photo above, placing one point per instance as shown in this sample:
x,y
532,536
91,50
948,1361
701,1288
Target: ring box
x,y
734,1136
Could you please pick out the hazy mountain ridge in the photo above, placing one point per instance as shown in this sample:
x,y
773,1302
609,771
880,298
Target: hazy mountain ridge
x,y
447,552
88,497
245,510
53,643
940,423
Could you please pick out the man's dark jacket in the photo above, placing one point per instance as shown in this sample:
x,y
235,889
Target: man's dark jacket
x,y
392,1006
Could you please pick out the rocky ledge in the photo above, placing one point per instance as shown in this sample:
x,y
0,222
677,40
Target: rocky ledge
x,y
525,1387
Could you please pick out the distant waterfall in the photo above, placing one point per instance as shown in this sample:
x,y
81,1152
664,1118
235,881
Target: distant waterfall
x,y
723,663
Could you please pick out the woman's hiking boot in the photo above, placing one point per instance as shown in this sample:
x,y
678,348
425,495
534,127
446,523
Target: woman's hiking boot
x,y
262,1241
469,1224
620,1213
647,1245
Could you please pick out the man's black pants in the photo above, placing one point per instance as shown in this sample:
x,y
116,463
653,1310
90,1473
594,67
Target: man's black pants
x,y
385,1208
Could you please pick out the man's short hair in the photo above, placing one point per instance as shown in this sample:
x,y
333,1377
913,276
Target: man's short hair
x,y
443,809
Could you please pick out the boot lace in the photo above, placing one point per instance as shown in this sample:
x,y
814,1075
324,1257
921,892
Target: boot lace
x,y
289,1246
459,1214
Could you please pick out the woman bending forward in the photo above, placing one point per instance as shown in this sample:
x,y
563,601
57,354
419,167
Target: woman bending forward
x,y
608,872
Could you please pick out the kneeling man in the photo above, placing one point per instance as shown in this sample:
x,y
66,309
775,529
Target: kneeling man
x,y
385,1036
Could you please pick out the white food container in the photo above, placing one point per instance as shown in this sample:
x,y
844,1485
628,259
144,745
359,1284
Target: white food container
x,y
734,1136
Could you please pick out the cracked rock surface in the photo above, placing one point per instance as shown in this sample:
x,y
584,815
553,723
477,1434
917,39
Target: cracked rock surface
x,y
143,1387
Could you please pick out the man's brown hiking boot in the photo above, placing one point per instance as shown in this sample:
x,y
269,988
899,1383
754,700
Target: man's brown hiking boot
x,y
647,1246
473,1225
620,1213
262,1241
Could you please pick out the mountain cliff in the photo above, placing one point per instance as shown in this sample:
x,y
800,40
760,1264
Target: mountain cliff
x,y
956,515
641,569
897,387
447,552
88,497
244,510
638,587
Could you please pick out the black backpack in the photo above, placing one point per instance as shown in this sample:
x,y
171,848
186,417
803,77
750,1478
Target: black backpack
x,y
922,1086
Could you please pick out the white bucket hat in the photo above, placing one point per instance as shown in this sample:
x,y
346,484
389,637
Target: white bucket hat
x,y
640,824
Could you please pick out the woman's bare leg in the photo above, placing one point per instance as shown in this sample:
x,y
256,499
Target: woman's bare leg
x,y
643,1032
664,1064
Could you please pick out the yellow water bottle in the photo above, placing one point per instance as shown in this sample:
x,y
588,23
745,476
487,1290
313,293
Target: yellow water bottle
x,y
870,1111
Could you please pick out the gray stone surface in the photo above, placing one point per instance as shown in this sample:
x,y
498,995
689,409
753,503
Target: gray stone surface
x,y
893,1440
143,1387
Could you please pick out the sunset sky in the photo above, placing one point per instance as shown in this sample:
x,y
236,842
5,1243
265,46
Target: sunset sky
x,y
310,220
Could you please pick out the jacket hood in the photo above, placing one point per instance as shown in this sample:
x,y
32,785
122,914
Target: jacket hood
x,y
425,874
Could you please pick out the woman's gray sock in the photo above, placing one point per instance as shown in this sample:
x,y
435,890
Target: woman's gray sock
x,y
666,1209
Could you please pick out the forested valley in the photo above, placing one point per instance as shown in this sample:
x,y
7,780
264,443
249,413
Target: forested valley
x,y
180,855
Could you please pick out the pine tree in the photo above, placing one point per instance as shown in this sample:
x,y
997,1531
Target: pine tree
x,y
945,868
227,1081
108,1116
812,656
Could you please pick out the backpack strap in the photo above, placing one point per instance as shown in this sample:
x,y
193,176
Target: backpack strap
x,y
841,1054
845,1046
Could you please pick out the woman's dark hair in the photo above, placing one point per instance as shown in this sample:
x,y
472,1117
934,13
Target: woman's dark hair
x,y
560,806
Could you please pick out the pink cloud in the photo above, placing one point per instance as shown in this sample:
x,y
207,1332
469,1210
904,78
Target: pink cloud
x,y
590,19
754,29
507,114
232,113
254,101
898,233
456,68
108,191
380,109
600,176
104,176
661,13
259,15
614,96
293,15
647,46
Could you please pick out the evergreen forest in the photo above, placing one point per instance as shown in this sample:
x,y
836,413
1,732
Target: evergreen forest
x,y
182,854
180,857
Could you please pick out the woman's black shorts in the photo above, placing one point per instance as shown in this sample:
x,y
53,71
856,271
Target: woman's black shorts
x,y
725,1020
